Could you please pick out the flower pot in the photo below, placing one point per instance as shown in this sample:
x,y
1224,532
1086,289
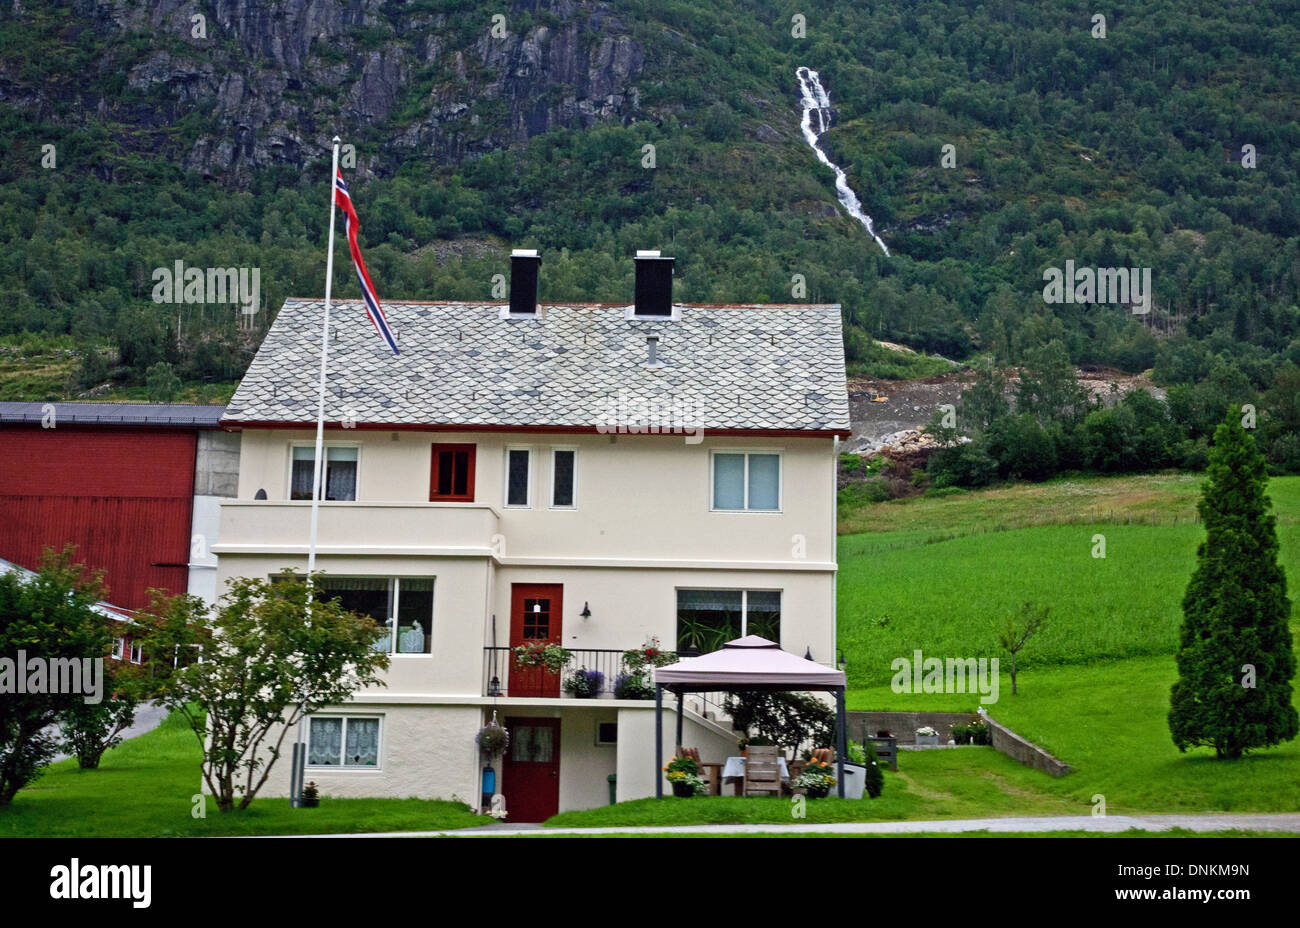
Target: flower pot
x,y
855,780
931,740
820,792
683,790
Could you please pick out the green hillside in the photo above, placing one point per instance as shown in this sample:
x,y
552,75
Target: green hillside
x,y
1115,151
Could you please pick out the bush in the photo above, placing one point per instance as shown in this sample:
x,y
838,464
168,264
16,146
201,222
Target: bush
x,y
875,777
967,465
788,719
1284,455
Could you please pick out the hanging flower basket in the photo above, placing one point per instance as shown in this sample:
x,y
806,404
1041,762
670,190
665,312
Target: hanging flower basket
x,y
492,739
545,654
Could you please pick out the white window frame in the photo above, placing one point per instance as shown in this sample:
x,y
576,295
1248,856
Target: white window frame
x,y
746,452
394,595
528,484
603,744
137,653
343,741
119,648
554,449
288,483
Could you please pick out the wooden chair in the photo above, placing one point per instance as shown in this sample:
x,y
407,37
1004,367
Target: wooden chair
x,y
762,770
712,773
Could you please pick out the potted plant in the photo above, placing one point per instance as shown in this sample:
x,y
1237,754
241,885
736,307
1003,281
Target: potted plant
x,y
684,775
492,739
979,732
546,654
584,683
310,795
816,780
649,654
633,686
926,735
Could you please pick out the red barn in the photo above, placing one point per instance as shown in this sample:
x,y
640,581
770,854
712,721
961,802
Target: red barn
x,y
116,480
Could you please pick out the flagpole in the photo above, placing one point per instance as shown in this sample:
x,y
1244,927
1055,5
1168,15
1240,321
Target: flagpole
x,y
320,407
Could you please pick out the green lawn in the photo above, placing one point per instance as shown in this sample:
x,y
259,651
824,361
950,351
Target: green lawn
x,y
971,782
144,788
1094,685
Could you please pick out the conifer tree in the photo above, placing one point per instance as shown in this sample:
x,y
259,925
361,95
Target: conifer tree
x,y
1235,656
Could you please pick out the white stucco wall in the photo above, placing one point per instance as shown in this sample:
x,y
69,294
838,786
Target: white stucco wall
x,y
425,752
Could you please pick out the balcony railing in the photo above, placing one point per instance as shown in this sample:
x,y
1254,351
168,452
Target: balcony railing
x,y
602,673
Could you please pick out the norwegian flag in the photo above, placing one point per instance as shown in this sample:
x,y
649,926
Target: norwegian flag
x,y
352,225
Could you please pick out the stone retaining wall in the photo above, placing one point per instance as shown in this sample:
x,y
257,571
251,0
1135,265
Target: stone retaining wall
x,y
1028,753
905,724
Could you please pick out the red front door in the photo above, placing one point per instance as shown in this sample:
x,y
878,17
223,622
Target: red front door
x,y
531,769
534,617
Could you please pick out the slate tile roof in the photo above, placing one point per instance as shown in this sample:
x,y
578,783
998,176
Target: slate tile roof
x,y
741,367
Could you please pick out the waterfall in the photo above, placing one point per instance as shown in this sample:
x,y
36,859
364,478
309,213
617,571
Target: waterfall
x,y
817,106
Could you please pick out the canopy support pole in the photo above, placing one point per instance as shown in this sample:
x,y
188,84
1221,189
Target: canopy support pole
x,y
659,741
841,740
680,713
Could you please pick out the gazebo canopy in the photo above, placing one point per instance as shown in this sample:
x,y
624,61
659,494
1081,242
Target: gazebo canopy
x,y
749,663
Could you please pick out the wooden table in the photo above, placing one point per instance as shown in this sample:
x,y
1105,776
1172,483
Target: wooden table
x,y
714,772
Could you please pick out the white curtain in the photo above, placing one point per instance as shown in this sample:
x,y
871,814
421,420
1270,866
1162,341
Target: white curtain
x,y
363,742
325,741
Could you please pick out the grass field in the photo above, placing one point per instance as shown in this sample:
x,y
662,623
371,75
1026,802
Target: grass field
x,y
939,574
145,788
1094,685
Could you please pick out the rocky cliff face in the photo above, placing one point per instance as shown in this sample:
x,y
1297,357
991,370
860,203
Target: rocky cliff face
x,y
259,83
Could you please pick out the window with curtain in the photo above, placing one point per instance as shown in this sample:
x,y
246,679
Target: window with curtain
x,y
343,741
744,481
340,477
531,744
402,605
325,742
708,619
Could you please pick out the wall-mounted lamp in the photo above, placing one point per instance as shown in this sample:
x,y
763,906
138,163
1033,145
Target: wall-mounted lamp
x,y
807,654
843,662
586,611
494,687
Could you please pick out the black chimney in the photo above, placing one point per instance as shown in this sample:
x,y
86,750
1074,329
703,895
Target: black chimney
x,y
654,284
524,265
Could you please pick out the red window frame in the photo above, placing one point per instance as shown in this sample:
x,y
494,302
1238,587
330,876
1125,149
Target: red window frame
x,y
451,448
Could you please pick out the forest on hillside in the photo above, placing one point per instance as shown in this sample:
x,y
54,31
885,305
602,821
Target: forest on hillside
x,y
1122,151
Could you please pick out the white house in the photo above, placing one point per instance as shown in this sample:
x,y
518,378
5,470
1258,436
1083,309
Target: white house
x,y
591,475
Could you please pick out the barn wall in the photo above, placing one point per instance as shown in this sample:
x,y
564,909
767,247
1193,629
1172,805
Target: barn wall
x,y
123,497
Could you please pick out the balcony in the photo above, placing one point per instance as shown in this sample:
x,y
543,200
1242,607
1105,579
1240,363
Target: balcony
x,y
431,529
603,667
